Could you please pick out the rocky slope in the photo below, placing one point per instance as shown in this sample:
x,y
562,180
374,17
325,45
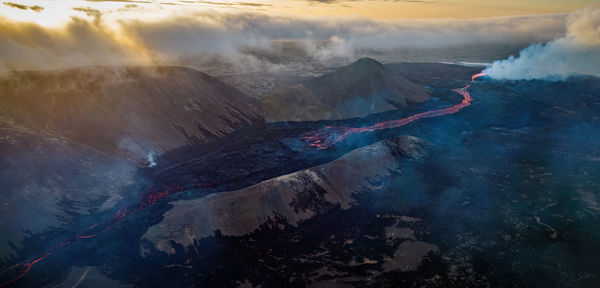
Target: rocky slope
x,y
133,111
71,140
293,197
295,103
356,90
47,182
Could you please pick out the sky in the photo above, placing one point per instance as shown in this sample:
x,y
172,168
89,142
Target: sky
x,y
57,12
53,34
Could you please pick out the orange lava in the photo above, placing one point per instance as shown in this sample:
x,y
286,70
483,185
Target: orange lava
x,y
25,267
92,231
326,137
323,139
477,76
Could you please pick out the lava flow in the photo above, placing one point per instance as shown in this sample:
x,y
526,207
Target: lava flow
x,y
326,137
323,139
18,271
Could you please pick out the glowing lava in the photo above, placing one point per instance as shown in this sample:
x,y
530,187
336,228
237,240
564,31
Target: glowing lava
x,y
323,139
477,76
21,269
326,137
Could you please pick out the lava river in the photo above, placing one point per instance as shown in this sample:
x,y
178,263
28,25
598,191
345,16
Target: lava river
x,y
323,138
330,135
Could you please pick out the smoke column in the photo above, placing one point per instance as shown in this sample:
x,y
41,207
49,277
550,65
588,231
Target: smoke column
x,y
150,159
578,52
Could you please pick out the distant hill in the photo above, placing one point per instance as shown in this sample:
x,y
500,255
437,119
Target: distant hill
x,y
356,90
132,110
295,103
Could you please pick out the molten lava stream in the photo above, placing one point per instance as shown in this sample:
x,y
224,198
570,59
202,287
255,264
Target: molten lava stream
x,y
21,269
323,139
326,137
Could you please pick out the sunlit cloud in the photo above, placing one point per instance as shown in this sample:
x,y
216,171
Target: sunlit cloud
x,y
88,39
35,8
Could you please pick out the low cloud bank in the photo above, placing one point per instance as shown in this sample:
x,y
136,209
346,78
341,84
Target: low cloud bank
x,y
576,53
248,39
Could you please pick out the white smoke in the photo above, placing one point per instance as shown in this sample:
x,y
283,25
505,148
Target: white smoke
x,y
576,53
150,159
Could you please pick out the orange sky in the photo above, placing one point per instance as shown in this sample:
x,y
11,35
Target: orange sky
x,y
434,8
57,11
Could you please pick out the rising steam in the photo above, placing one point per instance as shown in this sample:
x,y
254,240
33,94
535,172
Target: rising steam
x,y
576,53
150,159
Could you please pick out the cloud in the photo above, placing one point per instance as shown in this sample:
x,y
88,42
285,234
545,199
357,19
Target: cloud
x,y
35,8
80,42
250,39
94,13
129,1
229,32
338,1
229,4
578,52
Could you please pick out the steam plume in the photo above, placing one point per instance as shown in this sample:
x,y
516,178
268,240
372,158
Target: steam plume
x,y
150,159
576,53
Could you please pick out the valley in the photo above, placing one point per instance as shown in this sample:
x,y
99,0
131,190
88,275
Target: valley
x,y
376,208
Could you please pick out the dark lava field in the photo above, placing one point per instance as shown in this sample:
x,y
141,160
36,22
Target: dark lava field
x,y
503,193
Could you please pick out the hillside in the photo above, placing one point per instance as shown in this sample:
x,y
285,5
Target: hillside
x,y
48,182
356,90
294,197
71,140
132,111
295,103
